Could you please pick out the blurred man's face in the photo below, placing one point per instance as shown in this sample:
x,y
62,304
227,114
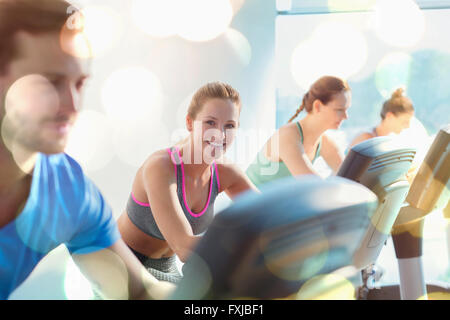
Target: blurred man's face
x,y
41,93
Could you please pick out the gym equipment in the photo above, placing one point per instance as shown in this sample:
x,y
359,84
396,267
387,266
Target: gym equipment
x,y
429,187
268,245
380,164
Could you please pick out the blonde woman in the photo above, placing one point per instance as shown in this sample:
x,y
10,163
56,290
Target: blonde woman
x,y
396,115
172,196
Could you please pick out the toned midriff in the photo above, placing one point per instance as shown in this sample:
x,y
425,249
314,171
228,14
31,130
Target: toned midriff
x,y
140,241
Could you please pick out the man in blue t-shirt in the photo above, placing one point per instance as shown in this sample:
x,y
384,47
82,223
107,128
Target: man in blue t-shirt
x,y
45,199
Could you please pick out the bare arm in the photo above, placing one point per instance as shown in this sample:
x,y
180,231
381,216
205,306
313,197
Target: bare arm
x,y
291,152
161,188
233,180
362,137
331,153
117,274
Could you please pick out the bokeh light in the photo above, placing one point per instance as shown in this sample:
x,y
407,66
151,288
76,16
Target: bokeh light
x,y
345,44
134,141
178,135
28,101
433,235
284,5
182,110
335,48
327,287
132,93
102,266
350,5
236,5
181,132
301,60
102,28
195,20
204,20
76,286
90,140
240,44
392,72
302,264
163,290
30,94
77,45
422,141
399,23
436,296
197,267
157,18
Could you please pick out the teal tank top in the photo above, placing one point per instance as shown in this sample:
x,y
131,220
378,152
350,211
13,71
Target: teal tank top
x,y
262,170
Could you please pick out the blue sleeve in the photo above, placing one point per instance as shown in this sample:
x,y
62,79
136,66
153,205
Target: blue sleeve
x,y
97,228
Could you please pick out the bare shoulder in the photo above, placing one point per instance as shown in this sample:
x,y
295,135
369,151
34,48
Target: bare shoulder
x,y
328,140
288,130
287,135
366,135
361,137
158,164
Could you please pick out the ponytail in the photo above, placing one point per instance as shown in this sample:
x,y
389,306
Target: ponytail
x,y
302,106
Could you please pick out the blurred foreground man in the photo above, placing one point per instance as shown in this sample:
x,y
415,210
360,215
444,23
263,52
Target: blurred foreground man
x,y
45,199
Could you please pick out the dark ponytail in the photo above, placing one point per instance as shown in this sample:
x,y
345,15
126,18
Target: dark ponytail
x,y
302,106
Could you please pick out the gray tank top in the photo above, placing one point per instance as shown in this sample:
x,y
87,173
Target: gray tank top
x,y
141,213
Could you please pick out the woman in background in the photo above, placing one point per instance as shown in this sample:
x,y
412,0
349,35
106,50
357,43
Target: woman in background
x,y
396,115
295,146
172,196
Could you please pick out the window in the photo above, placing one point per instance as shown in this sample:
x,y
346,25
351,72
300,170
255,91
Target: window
x,y
377,49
